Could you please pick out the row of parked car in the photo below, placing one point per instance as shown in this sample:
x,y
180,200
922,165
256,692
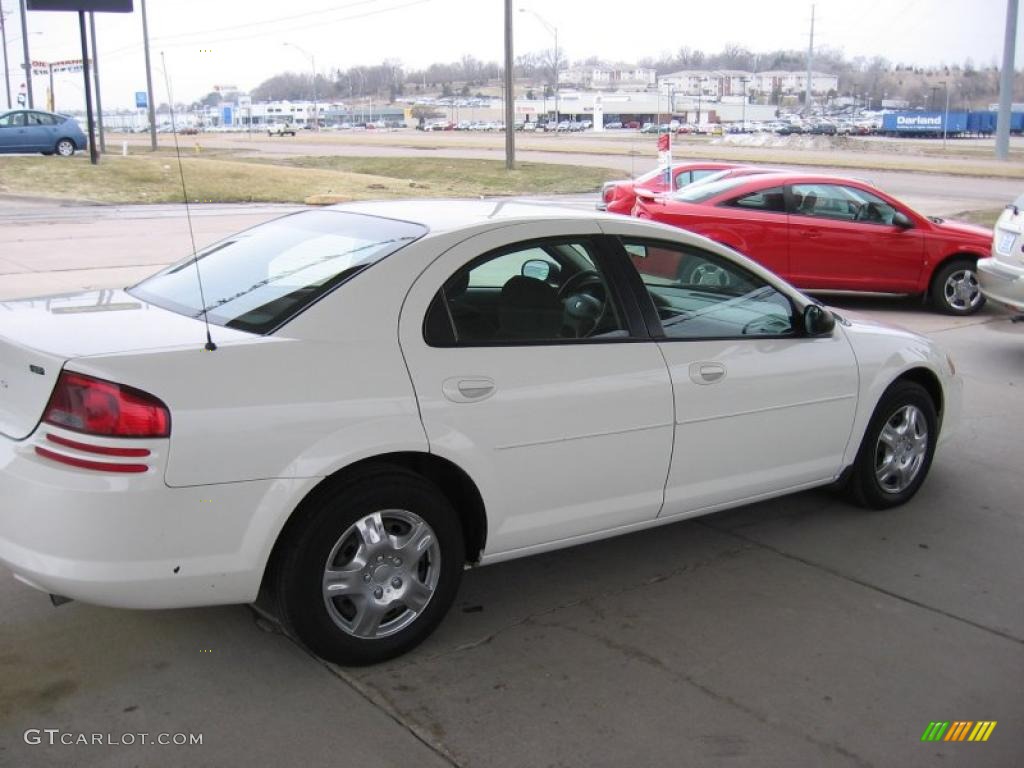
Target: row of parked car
x,y
828,233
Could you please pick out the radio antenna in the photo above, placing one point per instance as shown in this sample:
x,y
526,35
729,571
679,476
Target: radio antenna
x,y
209,346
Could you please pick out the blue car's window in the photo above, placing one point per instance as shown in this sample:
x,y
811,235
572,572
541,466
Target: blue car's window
x,y
12,120
261,278
38,118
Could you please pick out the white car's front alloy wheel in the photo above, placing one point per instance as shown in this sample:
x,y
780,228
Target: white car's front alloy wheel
x,y
901,449
897,448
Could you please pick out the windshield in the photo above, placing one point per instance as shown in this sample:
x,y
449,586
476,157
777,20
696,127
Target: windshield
x,y
258,279
698,193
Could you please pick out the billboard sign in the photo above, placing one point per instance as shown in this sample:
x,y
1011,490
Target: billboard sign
x,y
94,6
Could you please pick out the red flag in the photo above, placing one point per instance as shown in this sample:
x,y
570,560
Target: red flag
x,y
663,142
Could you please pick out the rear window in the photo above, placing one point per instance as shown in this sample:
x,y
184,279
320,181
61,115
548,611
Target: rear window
x,y
652,175
261,278
698,193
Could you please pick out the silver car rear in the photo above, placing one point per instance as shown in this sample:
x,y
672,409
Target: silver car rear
x,y
1002,275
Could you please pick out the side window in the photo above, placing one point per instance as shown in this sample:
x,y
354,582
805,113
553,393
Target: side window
x,y
682,179
698,175
13,120
498,271
771,200
840,202
700,295
554,292
38,118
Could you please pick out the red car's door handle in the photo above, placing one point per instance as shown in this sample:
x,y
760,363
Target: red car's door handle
x,y
812,233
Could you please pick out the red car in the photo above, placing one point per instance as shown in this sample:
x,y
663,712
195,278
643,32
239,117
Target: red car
x,y
619,196
828,233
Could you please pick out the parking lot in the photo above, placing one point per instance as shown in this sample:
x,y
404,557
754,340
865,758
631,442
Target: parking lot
x,y
801,631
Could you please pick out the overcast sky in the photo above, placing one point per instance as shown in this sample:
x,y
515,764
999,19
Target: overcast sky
x,y
230,42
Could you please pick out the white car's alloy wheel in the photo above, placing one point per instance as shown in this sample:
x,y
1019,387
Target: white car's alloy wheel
x,y
382,573
370,565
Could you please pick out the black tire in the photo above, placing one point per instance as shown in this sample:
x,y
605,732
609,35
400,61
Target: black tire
x,y
65,148
304,555
954,304
864,485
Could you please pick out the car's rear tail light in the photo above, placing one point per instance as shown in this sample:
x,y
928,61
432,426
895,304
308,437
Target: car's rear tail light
x,y
609,193
93,406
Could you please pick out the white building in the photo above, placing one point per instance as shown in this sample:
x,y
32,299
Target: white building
x,y
716,84
607,78
787,82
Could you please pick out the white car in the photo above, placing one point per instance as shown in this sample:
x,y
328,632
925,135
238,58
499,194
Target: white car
x,y
1001,277
393,390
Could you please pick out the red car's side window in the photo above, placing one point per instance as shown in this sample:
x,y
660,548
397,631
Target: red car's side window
x,y
772,200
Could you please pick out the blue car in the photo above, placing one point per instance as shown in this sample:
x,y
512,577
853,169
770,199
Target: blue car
x,y
30,130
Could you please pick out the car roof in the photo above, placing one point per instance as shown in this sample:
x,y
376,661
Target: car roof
x,y
446,215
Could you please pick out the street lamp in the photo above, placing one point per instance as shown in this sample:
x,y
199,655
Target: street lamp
x,y
312,62
554,31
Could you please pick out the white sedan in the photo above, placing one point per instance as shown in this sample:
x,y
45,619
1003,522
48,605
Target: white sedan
x,y
394,390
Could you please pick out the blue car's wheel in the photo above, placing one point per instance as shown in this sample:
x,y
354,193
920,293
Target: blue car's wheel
x,y
65,148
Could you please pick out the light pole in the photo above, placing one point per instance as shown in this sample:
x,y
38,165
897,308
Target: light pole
x,y
28,59
700,93
945,115
743,121
312,62
554,31
7,71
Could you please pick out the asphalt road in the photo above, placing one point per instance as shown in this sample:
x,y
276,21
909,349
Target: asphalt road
x,y
796,632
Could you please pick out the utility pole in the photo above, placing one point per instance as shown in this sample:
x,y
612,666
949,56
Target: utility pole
x,y
510,112
945,115
96,78
810,58
1006,82
93,154
149,79
28,59
7,71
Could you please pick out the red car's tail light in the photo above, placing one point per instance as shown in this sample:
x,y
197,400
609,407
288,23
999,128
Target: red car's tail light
x,y
609,194
97,407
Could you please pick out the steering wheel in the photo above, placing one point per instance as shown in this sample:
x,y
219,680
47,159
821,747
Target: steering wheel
x,y
706,273
583,311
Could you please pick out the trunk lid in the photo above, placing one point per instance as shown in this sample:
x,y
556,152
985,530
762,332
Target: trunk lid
x,y
1007,240
38,336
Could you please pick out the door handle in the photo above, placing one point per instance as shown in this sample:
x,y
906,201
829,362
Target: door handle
x,y
812,233
707,372
468,389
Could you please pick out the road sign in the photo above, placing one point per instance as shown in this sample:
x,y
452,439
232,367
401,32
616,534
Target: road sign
x,y
141,100
97,6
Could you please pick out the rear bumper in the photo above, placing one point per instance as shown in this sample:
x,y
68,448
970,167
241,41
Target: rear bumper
x,y
1002,283
129,541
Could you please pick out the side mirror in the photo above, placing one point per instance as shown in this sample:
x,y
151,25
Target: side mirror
x,y
537,269
818,321
901,220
